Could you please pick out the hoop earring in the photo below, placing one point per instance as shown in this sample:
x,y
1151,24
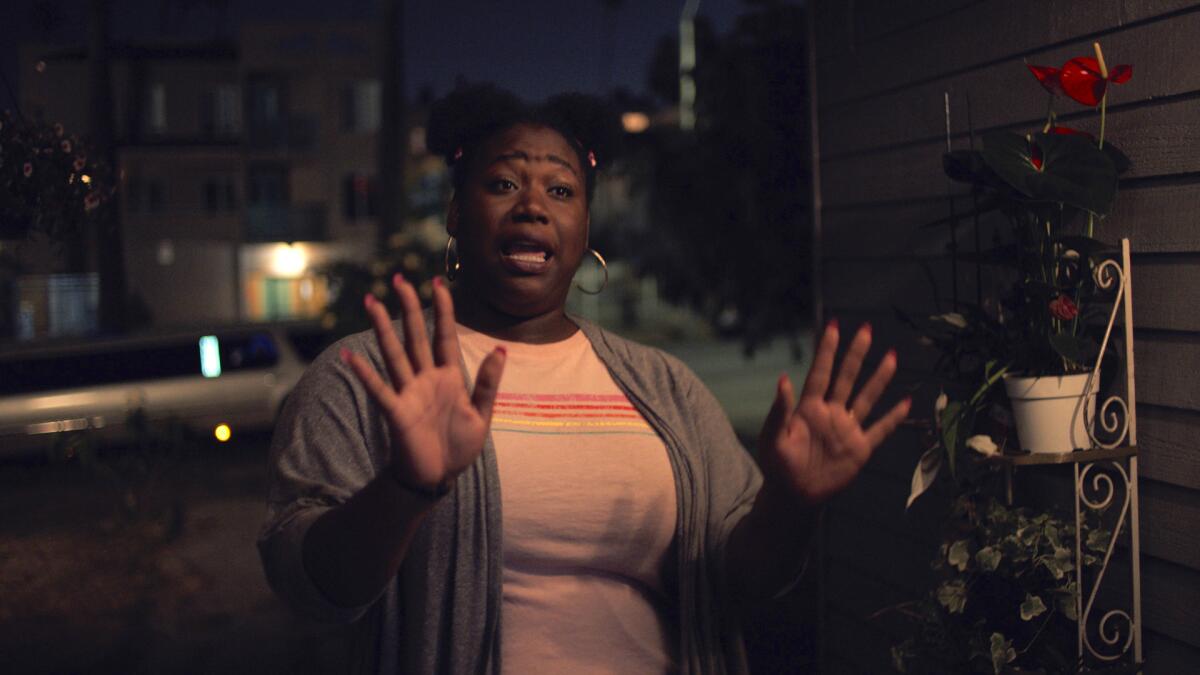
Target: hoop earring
x,y
452,270
603,266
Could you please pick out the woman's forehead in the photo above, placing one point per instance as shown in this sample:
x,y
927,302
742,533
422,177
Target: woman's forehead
x,y
532,143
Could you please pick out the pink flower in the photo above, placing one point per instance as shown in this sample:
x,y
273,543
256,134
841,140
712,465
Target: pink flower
x,y
80,162
27,169
65,146
91,201
1063,308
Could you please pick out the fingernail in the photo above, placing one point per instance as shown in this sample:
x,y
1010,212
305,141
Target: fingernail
x,y
833,323
867,327
437,282
368,300
891,353
502,350
397,279
344,354
906,400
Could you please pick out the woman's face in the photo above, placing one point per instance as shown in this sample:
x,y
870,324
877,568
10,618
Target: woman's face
x,y
521,220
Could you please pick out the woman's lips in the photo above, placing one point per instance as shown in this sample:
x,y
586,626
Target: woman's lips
x,y
524,261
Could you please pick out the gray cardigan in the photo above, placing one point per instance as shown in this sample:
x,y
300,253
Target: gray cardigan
x,y
442,612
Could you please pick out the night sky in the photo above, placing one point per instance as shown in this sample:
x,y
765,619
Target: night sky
x,y
534,47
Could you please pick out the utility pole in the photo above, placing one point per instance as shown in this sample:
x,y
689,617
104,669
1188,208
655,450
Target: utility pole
x,y
687,65
107,237
392,150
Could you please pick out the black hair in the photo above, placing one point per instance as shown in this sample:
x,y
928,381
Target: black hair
x,y
471,115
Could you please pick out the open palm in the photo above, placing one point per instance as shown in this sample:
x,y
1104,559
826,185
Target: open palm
x,y
437,428
814,448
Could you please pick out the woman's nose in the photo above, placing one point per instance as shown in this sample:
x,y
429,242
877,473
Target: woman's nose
x,y
531,209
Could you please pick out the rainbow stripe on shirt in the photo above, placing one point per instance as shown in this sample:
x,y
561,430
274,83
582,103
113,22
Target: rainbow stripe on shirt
x,y
567,414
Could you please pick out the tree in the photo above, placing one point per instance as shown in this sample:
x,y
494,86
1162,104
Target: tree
x,y
731,199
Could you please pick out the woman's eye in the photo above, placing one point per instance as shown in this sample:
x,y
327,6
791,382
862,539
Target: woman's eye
x,y
562,192
503,185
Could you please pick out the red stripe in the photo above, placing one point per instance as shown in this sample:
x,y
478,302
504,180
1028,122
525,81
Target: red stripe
x,y
524,413
610,398
560,406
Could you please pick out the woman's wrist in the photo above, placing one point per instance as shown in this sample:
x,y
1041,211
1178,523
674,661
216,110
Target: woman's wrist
x,y
429,493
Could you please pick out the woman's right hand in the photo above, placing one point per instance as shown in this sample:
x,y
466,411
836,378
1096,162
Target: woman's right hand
x,y
437,428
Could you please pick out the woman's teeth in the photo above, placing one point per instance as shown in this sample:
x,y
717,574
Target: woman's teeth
x,y
528,256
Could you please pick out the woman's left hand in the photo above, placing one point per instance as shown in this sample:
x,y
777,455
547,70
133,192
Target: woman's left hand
x,y
812,449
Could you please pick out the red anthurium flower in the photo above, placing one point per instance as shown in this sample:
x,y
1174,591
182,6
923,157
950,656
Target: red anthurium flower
x,y
1080,79
1067,131
1048,76
1035,155
1063,308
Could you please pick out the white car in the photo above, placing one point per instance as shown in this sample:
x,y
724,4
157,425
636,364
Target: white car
x,y
233,378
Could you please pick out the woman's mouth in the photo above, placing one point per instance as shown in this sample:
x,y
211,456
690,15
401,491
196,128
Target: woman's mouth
x,y
526,257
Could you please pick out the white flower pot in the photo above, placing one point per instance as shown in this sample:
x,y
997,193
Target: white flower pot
x,y
1048,413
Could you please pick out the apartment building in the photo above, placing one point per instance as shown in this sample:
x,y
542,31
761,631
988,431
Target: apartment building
x,y
246,164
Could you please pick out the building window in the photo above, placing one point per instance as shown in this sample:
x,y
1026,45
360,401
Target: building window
x,y
221,111
362,106
156,105
358,196
219,195
156,200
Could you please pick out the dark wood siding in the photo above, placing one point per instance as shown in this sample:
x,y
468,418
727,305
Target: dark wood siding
x,y
883,68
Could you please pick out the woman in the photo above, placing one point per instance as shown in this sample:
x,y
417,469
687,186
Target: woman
x,y
582,503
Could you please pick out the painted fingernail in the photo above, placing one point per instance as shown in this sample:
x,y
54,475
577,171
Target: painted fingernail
x,y
907,400
866,327
502,350
833,324
890,353
437,282
397,279
344,354
368,300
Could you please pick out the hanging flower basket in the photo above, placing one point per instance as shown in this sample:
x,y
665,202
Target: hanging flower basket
x,y
1049,411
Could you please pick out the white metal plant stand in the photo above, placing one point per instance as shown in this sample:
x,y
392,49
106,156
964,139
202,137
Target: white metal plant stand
x,y
1106,476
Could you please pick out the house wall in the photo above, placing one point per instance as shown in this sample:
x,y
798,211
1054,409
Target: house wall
x,y
884,67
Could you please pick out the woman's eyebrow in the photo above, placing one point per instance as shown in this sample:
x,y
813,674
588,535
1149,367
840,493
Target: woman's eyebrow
x,y
522,155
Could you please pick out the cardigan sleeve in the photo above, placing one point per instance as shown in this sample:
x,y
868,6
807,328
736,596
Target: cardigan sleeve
x,y
323,452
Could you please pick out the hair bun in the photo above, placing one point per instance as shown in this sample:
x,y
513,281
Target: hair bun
x,y
592,121
468,115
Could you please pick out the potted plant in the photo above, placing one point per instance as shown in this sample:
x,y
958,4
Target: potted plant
x,y
1020,359
1035,337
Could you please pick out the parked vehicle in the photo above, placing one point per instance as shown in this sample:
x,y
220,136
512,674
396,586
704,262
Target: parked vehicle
x,y
236,378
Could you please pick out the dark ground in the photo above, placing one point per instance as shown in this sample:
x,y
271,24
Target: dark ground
x,y
143,563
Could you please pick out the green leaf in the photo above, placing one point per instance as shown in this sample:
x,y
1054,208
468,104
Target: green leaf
x,y
1078,349
950,418
1033,606
1073,171
1097,540
958,555
1065,601
988,558
1002,652
953,595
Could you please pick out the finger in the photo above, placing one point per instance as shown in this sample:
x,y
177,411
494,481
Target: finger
x,y
776,423
416,340
866,398
884,426
385,334
384,395
487,383
851,365
817,381
445,333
